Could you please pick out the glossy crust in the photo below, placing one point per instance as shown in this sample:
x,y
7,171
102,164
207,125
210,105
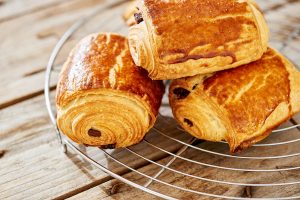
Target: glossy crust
x,y
102,98
184,38
242,105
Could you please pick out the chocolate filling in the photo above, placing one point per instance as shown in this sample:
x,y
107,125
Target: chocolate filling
x,y
209,55
94,133
195,86
181,93
138,17
108,146
189,122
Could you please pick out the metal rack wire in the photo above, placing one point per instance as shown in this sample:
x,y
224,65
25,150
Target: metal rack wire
x,y
189,145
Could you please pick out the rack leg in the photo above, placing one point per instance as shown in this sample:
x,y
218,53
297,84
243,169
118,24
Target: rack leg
x,y
64,148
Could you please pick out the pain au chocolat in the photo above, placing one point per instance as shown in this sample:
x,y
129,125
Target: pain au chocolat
x,y
131,13
180,38
102,98
241,105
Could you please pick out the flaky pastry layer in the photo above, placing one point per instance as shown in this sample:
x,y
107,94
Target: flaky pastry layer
x,y
102,98
242,105
180,38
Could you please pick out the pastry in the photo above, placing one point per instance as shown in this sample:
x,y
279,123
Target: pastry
x,y
180,38
103,99
130,16
240,106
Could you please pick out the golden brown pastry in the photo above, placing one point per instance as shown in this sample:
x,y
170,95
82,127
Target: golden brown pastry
x,y
102,98
130,15
242,105
179,38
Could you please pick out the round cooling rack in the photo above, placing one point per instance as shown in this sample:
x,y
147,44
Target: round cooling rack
x,y
182,164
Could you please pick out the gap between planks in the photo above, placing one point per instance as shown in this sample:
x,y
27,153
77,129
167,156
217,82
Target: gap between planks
x,y
31,139
37,74
125,172
268,6
24,98
128,192
83,190
30,11
104,180
41,8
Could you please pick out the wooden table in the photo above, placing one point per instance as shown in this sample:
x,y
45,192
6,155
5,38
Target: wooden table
x,y
32,165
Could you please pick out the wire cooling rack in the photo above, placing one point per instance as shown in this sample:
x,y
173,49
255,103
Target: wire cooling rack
x,y
211,157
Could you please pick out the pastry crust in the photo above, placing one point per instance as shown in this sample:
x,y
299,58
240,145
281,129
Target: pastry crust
x,y
102,98
128,15
242,105
180,38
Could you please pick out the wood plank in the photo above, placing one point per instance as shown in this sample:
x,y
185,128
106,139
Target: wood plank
x,y
33,164
271,5
285,29
284,20
21,8
25,51
26,68
26,138
108,190
116,190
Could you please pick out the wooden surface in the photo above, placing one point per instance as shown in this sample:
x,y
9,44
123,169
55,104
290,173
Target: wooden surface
x,y
32,165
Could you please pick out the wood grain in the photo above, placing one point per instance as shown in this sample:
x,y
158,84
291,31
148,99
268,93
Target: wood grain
x,y
34,163
48,24
21,8
21,68
103,191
